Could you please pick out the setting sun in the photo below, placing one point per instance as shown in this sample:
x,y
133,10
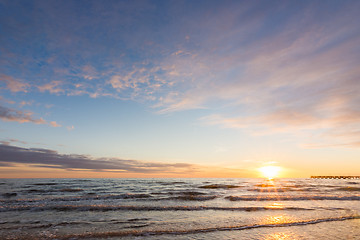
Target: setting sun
x,y
269,172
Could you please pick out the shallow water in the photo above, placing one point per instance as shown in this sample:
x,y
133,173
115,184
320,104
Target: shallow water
x,y
179,208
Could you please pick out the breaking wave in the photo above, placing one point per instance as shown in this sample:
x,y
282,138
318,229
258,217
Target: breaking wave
x,y
144,208
204,230
291,198
223,186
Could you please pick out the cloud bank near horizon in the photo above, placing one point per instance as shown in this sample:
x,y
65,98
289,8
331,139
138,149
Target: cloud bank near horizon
x,y
45,158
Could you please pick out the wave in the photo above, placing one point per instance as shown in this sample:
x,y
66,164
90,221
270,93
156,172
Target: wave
x,y
38,224
21,225
89,196
182,196
274,190
138,219
193,198
44,184
291,198
265,185
203,230
216,186
143,208
71,190
350,189
170,183
36,191
9,195
187,193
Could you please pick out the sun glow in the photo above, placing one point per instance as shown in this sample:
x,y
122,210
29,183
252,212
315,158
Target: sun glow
x,y
270,172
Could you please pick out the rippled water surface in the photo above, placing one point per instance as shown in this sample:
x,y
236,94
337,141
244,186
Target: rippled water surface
x,y
179,209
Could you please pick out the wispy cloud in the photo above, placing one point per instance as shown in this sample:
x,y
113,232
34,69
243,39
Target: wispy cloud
x,y
24,103
70,128
9,141
263,68
289,82
52,87
142,82
54,124
14,85
6,100
333,145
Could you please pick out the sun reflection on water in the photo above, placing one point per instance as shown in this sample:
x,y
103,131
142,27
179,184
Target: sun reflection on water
x,y
278,219
279,236
275,205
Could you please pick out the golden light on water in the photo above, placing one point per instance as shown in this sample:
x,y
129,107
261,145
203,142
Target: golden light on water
x,y
278,219
270,172
276,205
278,235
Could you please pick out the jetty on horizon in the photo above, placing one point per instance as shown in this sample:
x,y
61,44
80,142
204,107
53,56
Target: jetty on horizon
x,y
336,177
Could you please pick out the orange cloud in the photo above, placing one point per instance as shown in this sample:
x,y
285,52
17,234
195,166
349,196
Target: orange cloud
x,y
14,85
52,87
54,124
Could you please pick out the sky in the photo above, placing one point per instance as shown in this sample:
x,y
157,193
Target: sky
x,y
179,88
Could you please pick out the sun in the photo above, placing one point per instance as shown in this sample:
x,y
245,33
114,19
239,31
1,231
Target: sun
x,y
270,172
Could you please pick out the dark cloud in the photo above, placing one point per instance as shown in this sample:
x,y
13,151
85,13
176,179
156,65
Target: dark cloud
x,y
9,114
4,164
10,155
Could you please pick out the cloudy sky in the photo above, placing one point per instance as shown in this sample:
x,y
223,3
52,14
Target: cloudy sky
x,y
179,88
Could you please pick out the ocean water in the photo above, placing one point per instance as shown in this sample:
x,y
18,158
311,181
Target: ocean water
x,y
179,209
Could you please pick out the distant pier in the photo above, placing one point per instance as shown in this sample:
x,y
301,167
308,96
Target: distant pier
x,y
336,177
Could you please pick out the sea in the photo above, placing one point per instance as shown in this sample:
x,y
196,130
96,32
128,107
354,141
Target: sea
x,y
184,208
